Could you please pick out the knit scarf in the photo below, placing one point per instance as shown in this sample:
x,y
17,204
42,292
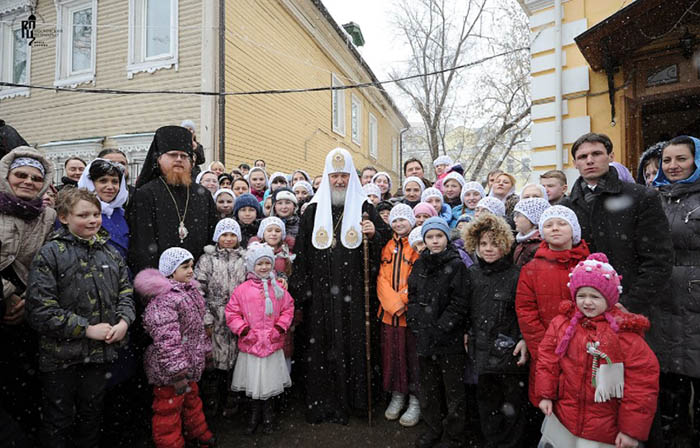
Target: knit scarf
x,y
269,307
20,208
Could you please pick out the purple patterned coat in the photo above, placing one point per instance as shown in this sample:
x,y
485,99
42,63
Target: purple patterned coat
x,y
174,317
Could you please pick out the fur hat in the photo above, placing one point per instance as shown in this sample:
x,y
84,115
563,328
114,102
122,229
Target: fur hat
x,y
271,221
227,225
246,200
424,207
431,192
172,258
532,208
415,236
498,228
565,213
402,211
435,223
493,205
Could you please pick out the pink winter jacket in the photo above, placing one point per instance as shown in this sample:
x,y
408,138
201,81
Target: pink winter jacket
x,y
174,317
246,309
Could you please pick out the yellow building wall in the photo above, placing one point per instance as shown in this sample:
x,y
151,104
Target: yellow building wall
x,y
267,48
47,116
595,103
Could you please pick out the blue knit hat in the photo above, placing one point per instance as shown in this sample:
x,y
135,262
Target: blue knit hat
x,y
246,200
435,223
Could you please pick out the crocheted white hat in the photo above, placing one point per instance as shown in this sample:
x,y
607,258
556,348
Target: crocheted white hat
x,y
431,192
278,174
302,184
472,186
415,236
495,206
372,188
402,211
221,191
227,225
541,188
172,258
271,221
532,208
415,179
443,160
454,175
565,213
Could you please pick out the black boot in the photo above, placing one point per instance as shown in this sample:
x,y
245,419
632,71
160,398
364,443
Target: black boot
x,y
268,416
255,416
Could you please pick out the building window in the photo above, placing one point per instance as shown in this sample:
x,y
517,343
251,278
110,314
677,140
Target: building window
x,y
76,42
356,120
394,154
372,136
338,99
153,37
15,56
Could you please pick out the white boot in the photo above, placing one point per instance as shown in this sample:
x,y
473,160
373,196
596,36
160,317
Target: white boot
x,y
398,400
412,415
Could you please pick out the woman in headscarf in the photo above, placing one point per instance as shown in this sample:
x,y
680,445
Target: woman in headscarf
x,y
25,175
383,181
107,180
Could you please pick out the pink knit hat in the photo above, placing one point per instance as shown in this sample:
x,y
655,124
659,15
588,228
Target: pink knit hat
x,y
424,207
597,273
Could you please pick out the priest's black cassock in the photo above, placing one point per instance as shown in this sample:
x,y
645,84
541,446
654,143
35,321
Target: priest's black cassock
x,y
154,221
328,287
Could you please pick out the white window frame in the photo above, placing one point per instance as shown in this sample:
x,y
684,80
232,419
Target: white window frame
x,y
8,24
356,122
137,60
64,48
337,104
373,131
394,154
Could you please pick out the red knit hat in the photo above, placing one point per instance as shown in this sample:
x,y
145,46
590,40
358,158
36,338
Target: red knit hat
x,y
597,273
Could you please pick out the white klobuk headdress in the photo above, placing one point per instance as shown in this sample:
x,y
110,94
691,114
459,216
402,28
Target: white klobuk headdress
x,y
338,160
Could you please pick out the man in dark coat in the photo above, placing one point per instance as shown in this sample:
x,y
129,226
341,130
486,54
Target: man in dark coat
x,y
328,289
623,220
168,210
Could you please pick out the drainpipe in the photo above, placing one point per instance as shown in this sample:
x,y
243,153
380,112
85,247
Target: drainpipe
x,y
558,139
222,80
401,155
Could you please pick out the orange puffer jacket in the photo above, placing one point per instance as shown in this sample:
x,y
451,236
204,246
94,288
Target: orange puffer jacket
x,y
567,381
392,282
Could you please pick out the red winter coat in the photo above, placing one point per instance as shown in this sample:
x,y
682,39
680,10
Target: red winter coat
x,y
541,288
568,380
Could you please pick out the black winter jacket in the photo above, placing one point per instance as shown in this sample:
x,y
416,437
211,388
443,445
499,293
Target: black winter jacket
x,y
493,324
627,223
437,302
74,284
678,320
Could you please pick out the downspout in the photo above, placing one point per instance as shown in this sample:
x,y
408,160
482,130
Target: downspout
x,y
222,80
401,155
558,139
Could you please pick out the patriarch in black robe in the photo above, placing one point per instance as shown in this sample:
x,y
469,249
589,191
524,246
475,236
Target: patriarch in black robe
x,y
327,284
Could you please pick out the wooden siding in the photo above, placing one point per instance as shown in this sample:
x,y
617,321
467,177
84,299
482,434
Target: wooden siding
x,y
267,48
49,116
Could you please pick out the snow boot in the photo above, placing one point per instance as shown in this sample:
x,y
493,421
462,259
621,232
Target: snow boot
x,y
393,411
268,415
255,416
412,415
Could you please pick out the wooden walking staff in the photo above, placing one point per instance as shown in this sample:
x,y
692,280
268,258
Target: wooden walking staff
x,y
368,351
